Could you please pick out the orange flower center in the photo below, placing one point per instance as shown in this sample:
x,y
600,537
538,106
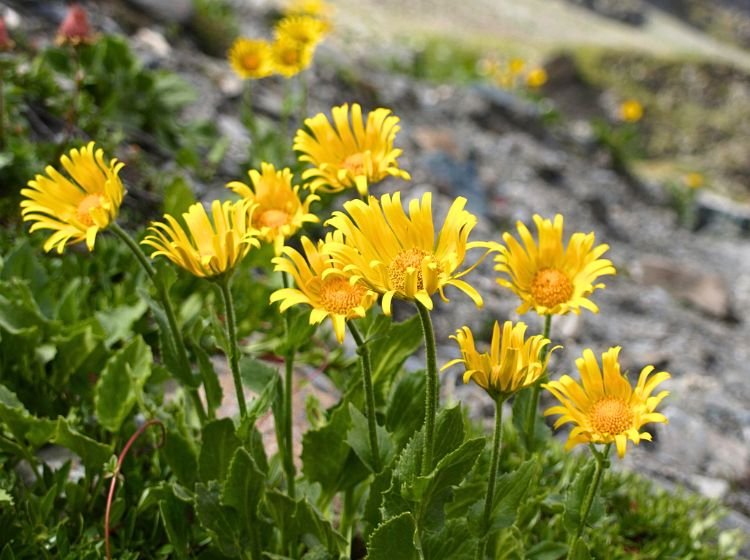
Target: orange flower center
x,y
551,287
611,416
338,296
355,163
405,260
251,61
85,207
290,57
273,218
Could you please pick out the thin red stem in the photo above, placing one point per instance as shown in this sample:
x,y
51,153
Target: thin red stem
x,y
113,484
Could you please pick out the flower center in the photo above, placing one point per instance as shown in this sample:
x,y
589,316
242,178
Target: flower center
x,y
611,416
89,203
551,287
273,218
355,163
338,296
251,61
290,57
397,269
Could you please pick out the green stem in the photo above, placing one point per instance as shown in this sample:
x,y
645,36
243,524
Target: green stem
x,y
234,350
303,98
364,358
166,302
494,464
2,109
288,408
248,115
536,388
432,395
601,461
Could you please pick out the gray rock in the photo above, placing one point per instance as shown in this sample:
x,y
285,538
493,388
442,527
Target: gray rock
x,y
714,488
166,11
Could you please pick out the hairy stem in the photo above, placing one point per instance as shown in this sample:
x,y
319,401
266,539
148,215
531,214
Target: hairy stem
x,y
234,350
432,395
536,388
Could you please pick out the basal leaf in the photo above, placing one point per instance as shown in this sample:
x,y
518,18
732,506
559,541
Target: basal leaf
x,y
394,539
218,448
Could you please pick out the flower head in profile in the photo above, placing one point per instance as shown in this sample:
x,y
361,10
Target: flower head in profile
x,y
277,211
305,30
605,408
513,362
206,247
323,285
351,152
251,58
399,255
290,56
75,28
631,111
549,277
77,206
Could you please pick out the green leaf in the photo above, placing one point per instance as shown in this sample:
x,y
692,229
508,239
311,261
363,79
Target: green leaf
x,y
5,498
358,438
449,431
256,375
394,539
178,196
243,488
214,392
219,520
121,383
92,453
580,551
452,540
576,495
372,516
521,404
219,446
389,352
260,404
7,553
405,412
173,514
309,523
547,550
181,458
117,322
510,490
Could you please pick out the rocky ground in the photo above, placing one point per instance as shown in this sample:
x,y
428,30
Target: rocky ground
x,y
680,298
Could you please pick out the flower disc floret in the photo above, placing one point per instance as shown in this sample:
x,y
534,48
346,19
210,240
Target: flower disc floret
x,y
304,29
548,276
76,207
351,152
206,248
399,255
277,211
323,285
290,56
604,407
513,362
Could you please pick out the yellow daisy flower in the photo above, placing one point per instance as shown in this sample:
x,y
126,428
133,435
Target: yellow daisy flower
x,y
631,111
693,180
251,58
323,285
398,255
352,154
78,206
306,30
606,408
289,56
536,78
511,364
550,278
205,249
278,211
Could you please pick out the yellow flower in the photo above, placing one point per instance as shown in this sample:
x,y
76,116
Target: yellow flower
x,y
606,408
323,285
548,277
536,78
516,65
631,111
693,180
352,154
277,211
251,58
78,206
511,364
306,30
205,249
290,57
398,255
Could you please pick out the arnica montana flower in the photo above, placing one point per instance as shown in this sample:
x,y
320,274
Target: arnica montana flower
x,y
75,28
536,78
289,56
511,364
351,154
251,59
548,277
631,111
398,255
278,211
306,30
323,285
75,207
205,249
606,408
